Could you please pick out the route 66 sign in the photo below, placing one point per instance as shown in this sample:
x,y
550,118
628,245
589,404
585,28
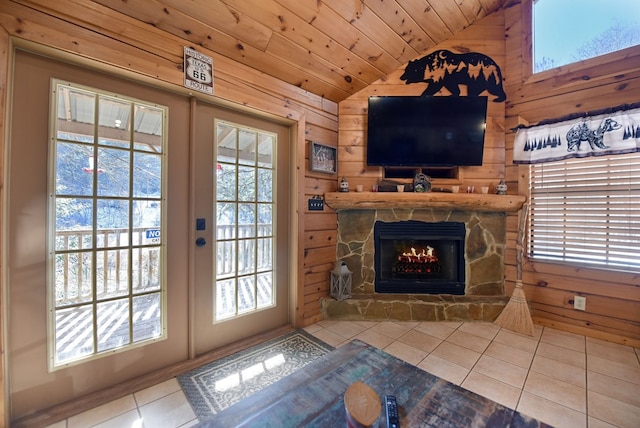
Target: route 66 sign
x,y
198,71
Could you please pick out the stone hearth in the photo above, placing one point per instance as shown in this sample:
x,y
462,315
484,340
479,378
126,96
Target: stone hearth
x,y
485,244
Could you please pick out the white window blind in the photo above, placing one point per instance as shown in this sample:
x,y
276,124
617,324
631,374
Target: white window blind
x,y
587,211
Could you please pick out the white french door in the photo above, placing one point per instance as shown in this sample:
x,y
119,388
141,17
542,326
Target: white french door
x,y
100,305
242,210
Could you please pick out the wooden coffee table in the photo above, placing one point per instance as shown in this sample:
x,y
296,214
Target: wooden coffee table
x,y
314,396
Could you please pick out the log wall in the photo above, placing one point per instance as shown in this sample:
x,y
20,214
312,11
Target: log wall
x,y
613,298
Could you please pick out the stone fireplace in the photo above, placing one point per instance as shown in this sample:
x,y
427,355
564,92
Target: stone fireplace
x,y
477,293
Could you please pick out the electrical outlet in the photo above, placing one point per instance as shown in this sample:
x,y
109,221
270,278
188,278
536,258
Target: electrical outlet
x,y
580,303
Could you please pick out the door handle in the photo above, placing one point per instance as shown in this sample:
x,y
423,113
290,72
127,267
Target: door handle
x,y
201,242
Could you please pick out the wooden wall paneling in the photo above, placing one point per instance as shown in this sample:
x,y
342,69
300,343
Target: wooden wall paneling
x,y
4,77
354,122
248,31
469,9
361,40
402,23
315,65
436,28
586,99
370,24
451,9
322,220
93,16
281,20
600,283
330,22
316,183
316,256
317,285
34,26
314,132
320,238
593,325
351,153
584,74
352,105
611,307
207,37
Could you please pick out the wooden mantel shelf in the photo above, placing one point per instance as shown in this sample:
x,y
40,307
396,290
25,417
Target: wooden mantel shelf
x,y
440,200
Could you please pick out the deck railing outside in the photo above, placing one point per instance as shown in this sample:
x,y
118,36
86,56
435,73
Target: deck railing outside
x,y
74,282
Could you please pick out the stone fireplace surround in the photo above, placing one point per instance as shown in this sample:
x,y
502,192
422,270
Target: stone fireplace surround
x,y
484,217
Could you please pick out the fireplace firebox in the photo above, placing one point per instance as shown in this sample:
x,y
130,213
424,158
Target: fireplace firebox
x,y
419,257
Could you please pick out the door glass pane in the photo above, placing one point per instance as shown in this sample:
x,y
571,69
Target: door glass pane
x,y
114,116
225,299
70,179
74,333
106,234
247,183
246,294
74,220
246,220
147,322
112,274
247,141
147,181
73,274
113,172
113,324
266,145
244,211
226,259
265,185
148,128
226,182
265,220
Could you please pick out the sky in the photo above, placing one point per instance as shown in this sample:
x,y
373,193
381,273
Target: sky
x,y
569,23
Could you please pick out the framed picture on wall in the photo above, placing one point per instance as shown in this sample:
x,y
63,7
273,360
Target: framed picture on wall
x,y
323,158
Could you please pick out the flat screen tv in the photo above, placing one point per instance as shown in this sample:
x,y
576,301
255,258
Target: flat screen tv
x,y
426,131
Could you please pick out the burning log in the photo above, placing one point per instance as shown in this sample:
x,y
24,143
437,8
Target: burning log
x,y
425,256
415,262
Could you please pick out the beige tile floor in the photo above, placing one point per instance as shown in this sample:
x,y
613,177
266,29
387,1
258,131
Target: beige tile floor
x,y
563,379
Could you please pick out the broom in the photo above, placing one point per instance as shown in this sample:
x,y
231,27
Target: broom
x,y
516,316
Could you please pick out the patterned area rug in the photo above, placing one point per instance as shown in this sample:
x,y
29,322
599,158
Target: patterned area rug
x,y
222,383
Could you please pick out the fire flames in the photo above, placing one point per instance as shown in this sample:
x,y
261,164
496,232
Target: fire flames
x,y
414,262
425,256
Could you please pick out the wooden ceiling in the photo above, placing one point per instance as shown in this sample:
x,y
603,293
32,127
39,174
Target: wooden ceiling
x,y
332,48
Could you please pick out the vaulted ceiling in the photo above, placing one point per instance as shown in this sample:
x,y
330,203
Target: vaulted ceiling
x,y
331,48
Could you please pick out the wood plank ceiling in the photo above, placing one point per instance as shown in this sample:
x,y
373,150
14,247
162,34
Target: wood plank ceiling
x,y
332,48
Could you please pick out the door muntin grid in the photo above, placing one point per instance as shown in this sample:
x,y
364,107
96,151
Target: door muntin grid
x,y
106,248
245,213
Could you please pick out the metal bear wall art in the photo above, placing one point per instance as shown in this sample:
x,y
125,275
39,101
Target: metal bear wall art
x,y
445,69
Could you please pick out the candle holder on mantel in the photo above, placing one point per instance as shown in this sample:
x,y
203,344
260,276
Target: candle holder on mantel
x,y
340,281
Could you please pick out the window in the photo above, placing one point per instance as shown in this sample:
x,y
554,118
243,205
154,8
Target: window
x,y
565,32
106,269
244,220
587,211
